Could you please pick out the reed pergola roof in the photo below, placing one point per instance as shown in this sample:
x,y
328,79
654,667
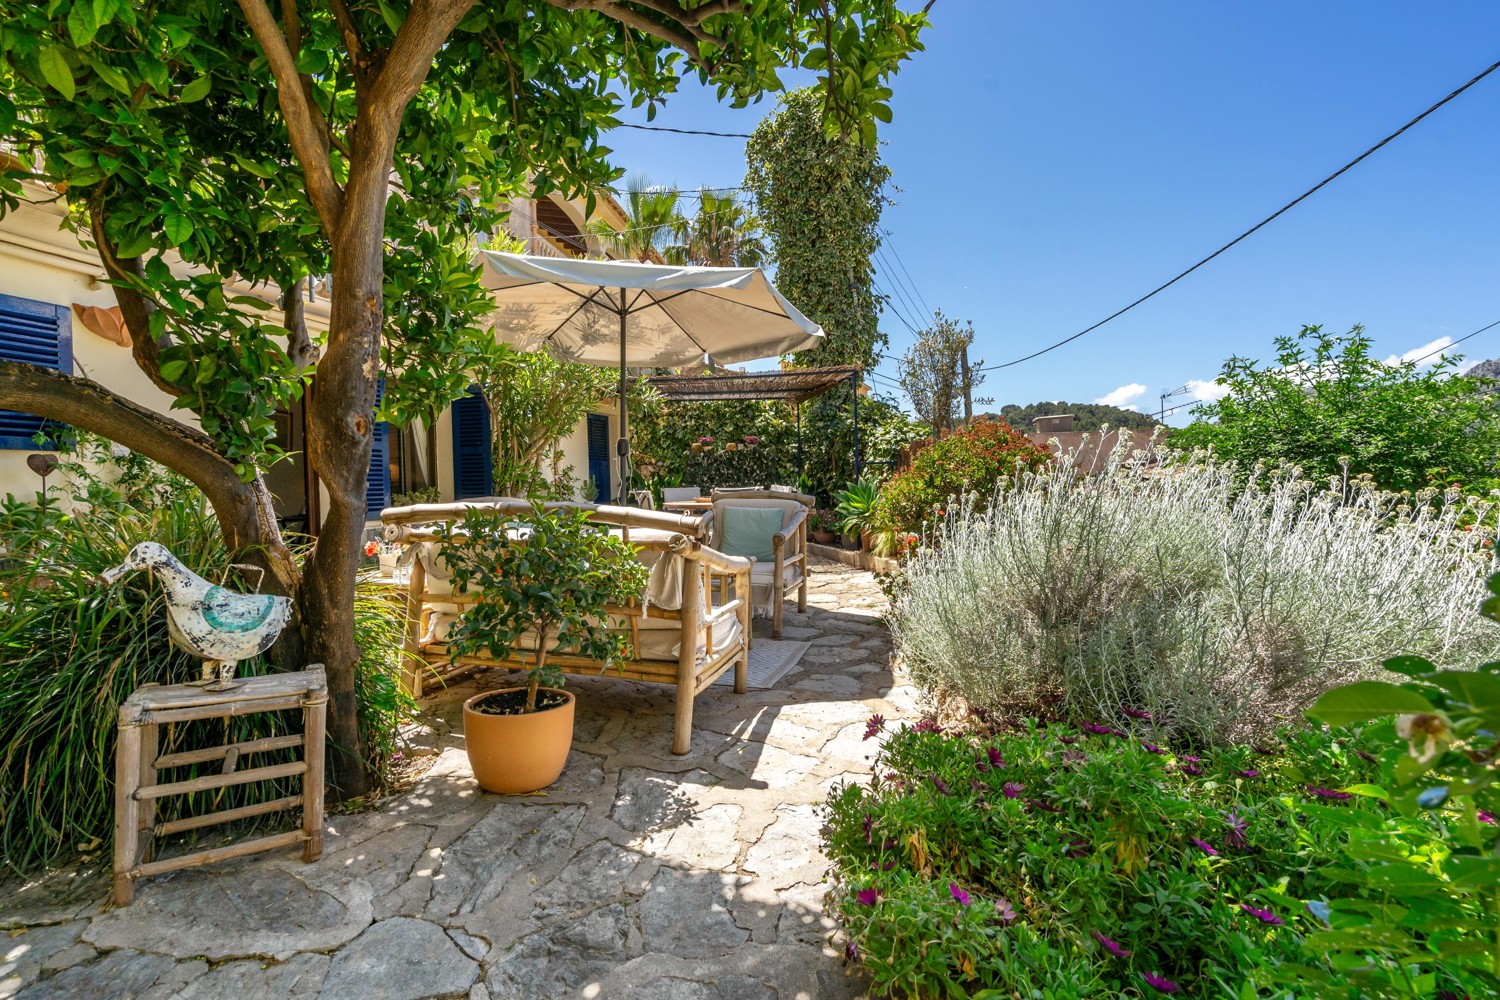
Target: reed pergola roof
x,y
796,385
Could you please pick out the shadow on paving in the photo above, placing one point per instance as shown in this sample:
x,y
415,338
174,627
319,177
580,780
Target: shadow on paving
x,y
640,874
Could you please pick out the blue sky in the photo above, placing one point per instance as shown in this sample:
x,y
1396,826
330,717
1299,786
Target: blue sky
x,y
1056,161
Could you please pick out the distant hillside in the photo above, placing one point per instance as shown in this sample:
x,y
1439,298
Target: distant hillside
x,y
1086,416
1486,369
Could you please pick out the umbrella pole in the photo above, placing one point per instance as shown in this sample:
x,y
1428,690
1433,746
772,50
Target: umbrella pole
x,y
622,446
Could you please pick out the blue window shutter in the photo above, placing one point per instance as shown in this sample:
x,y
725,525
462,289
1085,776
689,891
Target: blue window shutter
x,y
36,333
378,478
473,462
598,434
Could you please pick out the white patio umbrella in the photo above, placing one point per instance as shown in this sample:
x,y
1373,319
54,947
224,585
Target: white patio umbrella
x,y
608,313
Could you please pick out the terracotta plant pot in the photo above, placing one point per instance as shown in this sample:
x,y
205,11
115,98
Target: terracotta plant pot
x,y
824,537
851,543
511,754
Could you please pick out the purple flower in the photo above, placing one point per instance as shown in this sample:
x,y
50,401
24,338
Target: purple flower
x,y
1191,760
958,894
1152,748
851,951
940,785
869,825
1328,793
1012,789
1485,817
1160,983
1237,829
1078,848
1137,713
1204,846
1074,757
1192,769
994,756
1248,774
888,845
928,726
1100,730
1111,946
1004,911
1069,740
1046,807
873,726
868,897
1368,757
883,866
1264,916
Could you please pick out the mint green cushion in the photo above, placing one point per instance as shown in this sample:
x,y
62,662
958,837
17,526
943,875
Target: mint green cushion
x,y
748,531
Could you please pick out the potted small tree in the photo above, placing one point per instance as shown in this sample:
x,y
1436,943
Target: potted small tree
x,y
856,511
542,584
823,525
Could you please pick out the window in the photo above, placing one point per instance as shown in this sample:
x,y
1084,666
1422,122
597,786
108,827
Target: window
x,y
473,468
37,333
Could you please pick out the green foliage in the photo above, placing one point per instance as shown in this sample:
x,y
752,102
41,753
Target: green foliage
x,y
724,232
71,650
975,460
1423,912
548,577
714,463
1329,407
855,506
1086,416
1044,860
534,400
934,373
653,222
101,475
820,197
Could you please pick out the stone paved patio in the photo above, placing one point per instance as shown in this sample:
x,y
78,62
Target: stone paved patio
x,y
640,875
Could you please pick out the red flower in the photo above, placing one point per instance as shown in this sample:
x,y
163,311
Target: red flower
x,y
372,547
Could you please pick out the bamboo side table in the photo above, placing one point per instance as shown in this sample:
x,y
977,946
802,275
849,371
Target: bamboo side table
x,y
136,763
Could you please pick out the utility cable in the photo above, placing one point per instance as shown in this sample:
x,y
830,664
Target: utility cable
x,y
1259,225
685,131
1460,340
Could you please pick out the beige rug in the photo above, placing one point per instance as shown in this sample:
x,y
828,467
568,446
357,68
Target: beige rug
x,y
770,660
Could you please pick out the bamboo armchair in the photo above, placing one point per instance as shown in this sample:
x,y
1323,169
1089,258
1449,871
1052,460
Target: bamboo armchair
x,y
771,582
711,636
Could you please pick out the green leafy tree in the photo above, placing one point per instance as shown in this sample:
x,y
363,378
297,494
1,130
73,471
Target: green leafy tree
x,y
261,144
651,211
1086,416
1328,405
936,372
820,195
722,233
533,401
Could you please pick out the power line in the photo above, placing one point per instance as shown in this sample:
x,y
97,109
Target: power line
x,y
1460,340
684,131
896,278
897,254
1259,225
890,302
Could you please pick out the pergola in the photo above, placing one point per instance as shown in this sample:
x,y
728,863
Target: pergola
x,y
793,385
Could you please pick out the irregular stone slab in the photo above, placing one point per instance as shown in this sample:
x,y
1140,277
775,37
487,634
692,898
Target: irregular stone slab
x,y
235,912
687,914
850,748
671,988
24,957
769,763
583,773
299,976
707,839
475,947
123,975
790,844
576,954
602,873
175,980
508,839
743,988
838,685
399,959
650,800
802,916
383,862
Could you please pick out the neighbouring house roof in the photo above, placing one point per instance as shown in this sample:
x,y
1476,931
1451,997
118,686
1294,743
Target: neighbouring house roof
x,y
796,385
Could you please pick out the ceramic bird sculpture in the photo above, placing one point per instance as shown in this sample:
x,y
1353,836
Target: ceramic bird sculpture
x,y
207,620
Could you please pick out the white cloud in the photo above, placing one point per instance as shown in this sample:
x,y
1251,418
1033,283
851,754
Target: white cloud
x,y
1206,391
1432,347
1123,395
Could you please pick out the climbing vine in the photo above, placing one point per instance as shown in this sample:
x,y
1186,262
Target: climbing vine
x,y
820,196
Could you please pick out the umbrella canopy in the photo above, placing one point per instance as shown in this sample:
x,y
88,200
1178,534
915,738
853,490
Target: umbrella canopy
x,y
608,313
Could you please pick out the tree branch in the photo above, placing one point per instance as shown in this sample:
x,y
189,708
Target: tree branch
x,y
135,308
308,140
299,346
409,60
350,32
684,37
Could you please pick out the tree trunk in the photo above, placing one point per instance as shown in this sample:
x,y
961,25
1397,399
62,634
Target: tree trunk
x,y
339,438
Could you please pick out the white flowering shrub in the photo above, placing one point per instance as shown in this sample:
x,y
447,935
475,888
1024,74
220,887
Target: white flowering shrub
x,y
1164,584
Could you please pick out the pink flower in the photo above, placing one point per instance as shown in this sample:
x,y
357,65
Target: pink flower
x,y
1329,793
851,952
868,897
1264,916
1160,983
958,894
1137,713
873,726
1204,846
1012,789
1485,817
1111,946
1237,829
1192,769
927,726
1004,911
1248,774
1152,748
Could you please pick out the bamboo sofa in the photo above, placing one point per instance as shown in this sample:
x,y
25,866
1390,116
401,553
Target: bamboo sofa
x,y
690,645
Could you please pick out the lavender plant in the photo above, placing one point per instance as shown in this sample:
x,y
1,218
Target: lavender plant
x,y
1165,582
